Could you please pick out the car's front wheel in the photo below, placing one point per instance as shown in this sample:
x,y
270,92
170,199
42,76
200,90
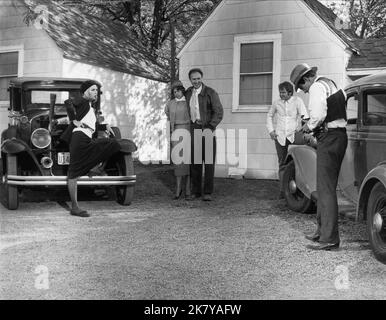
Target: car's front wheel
x,y
11,192
296,200
125,167
376,221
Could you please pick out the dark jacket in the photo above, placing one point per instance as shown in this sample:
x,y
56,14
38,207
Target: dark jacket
x,y
211,110
76,110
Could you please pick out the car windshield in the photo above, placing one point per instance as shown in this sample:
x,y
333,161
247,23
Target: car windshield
x,y
40,99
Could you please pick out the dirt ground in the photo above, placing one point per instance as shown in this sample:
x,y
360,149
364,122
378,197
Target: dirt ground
x,y
244,245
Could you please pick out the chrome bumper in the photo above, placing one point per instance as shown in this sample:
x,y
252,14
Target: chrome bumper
x,y
62,180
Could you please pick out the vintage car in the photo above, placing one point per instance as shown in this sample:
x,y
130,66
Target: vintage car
x,y
362,177
33,152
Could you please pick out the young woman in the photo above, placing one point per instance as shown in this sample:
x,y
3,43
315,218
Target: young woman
x,y
178,115
86,153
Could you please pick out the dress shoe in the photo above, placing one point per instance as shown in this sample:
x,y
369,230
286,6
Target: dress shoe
x,y
193,197
178,197
207,197
312,237
324,246
79,213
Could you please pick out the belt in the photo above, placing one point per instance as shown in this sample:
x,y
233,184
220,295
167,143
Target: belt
x,y
336,129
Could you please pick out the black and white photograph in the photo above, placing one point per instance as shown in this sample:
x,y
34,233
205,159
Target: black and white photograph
x,y
193,154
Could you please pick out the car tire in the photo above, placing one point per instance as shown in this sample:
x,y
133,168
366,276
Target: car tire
x,y
376,208
11,192
296,200
125,166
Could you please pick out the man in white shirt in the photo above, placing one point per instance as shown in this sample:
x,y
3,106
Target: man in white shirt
x,y
288,110
328,119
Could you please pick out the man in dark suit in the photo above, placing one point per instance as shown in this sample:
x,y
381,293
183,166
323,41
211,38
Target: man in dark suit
x,y
206,113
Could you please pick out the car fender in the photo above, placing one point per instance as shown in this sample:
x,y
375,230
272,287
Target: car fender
x,y
378,174
13,146
16,146
304,158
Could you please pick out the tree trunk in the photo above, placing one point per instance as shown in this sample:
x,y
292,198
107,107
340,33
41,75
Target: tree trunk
x,y
157,25
172,51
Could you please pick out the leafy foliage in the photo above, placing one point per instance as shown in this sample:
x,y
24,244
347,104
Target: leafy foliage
x,y
162,26
366,17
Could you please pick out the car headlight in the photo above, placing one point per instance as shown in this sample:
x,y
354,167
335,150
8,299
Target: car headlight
x,y
41,138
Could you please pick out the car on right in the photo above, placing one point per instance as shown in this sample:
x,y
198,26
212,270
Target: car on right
x,y
362,177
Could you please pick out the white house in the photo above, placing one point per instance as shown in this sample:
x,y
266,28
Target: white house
x,y
246,48
66,42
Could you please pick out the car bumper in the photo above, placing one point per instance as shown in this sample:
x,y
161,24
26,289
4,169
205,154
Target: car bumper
x,y
62,180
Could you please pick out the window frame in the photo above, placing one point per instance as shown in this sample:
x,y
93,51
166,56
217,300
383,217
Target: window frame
x,y
275,38
365,92
20,63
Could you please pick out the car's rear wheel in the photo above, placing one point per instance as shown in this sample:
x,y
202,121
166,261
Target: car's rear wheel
x,y
296,200
125,167
376,221
11,192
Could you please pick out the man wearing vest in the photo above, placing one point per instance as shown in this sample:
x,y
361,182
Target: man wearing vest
x,y
328,119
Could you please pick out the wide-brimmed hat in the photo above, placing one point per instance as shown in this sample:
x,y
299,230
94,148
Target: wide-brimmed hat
x,y
177,84
299,71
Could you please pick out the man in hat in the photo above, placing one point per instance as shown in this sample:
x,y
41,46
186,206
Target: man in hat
x,y
328,119
206,112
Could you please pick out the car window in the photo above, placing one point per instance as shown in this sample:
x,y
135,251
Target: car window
x,y
352,108
374,108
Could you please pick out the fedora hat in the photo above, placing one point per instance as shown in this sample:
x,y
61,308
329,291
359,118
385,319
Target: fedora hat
x,y
299,71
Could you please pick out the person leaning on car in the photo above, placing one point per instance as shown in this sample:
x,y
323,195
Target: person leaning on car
x,y
289,111
86,153
328,119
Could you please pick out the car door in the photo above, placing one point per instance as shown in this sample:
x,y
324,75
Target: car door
x,y
347,177
371,130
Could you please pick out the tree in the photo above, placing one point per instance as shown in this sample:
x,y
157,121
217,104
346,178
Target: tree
x,y
365,17
162,26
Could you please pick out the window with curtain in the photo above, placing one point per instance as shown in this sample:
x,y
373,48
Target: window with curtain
x,y
8,71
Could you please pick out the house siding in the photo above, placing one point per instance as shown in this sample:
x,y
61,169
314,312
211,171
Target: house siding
x,y
41,57
134,104
304,38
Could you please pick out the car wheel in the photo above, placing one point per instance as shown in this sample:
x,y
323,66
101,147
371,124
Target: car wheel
x,y
296,200
125,167
376,221
11,192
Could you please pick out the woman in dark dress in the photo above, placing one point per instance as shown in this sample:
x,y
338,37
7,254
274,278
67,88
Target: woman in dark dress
x,y
86,153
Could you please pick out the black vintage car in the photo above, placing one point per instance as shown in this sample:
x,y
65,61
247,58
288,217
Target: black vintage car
x,y
32,150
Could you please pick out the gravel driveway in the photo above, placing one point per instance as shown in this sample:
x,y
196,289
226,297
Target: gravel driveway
x,y
243,245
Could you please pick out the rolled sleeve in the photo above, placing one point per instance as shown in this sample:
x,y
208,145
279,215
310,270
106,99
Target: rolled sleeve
x,y
317,105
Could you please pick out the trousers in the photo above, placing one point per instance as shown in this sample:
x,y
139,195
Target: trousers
x,y
282,152
203,151
330,152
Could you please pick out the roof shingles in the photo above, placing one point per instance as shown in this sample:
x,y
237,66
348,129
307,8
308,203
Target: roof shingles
x,y
100,42
372,54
